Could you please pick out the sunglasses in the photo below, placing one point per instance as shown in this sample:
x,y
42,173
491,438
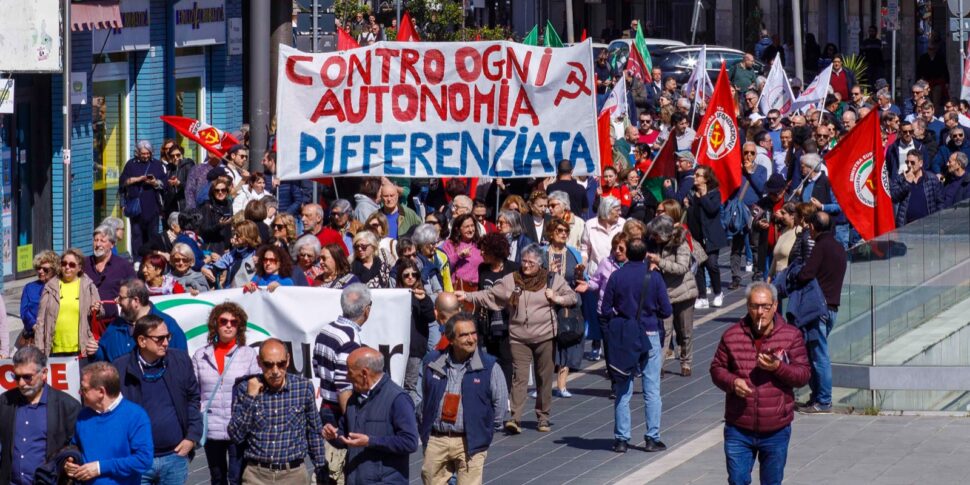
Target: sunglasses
x,y
410,274
562,230
906,132
279,226
361,247
221,191
279,365
44,269
69,264
228,321
375,225
911,162
158,339
957,136
748,152
269,260
772,118
180,260
24,377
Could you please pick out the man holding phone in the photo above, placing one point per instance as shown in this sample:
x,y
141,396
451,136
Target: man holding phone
x,y
759,362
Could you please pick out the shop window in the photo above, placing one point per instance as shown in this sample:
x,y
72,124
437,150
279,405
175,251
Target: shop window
x,y
109,124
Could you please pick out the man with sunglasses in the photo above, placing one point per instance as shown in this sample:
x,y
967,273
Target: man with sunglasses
x,y
162,381
118,338
917,193
275,415
897,150
36,420
957,143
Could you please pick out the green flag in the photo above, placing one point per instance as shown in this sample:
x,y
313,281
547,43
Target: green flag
x,y
551,38
532,38
642,48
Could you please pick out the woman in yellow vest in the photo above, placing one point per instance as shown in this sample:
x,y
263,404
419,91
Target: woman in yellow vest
x,y
63,324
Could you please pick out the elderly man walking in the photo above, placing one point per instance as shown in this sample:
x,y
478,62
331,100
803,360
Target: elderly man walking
x,y
758,363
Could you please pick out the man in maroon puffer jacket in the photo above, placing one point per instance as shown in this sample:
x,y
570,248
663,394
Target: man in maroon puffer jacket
x,y
759,362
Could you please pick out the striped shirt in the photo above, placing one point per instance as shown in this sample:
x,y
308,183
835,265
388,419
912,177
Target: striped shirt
x,y
330,351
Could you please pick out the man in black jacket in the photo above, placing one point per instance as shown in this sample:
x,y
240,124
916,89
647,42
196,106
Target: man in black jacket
x,y
162,381
36,420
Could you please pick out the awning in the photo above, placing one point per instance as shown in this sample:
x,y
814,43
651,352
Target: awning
x,y
95,14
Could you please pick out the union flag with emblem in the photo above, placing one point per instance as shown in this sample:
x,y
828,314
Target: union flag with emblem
x,y
859,179
718,138
214,140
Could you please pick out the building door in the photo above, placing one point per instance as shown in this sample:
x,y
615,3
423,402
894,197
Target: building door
x,y
25,138
109,122
188,95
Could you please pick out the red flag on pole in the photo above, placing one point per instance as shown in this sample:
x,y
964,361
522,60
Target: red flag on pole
x,y
664,164
345,41
636,65
583,38
213,139
605,141
718,135
406,31
860,181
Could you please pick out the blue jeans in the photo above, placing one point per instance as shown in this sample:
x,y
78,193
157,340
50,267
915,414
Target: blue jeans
x,y
623,387
742,446
167,470
818,356
224,458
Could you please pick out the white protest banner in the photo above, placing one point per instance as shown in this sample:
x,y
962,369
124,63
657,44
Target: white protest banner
x,y
699,84
777,92
295,315
63,374
814,94
616,102
436,109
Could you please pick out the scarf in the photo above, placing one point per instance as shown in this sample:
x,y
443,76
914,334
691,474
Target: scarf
x,y
365,274
535,282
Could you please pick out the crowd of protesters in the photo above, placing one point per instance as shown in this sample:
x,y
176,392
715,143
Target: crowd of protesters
x,y
509,280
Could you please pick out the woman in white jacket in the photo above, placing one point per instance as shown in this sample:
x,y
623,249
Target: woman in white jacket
x,y
253,189
218,365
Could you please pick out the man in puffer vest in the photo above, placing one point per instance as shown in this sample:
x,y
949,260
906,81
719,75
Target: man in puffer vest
x,y
465,400
758,363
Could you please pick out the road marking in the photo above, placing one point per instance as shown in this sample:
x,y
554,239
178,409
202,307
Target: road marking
x,y
680,455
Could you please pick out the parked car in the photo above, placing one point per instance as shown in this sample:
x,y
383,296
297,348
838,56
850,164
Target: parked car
x,y
597,48
679,62
619,49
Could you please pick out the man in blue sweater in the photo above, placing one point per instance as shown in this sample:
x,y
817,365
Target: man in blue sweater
x,y
632,303
113,433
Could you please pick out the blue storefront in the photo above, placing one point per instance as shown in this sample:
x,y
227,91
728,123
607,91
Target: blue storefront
x,y
170,57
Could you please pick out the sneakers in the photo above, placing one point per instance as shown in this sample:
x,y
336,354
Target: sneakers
x,y
702,304
511,427
543,427
719,300
748,267
816,409
593,355
653,445
562,393
685,370
534,394
619,446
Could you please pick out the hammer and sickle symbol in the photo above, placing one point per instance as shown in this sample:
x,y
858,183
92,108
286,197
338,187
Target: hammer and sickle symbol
x,y
579,80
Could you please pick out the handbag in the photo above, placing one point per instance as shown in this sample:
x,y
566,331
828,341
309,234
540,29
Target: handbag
x,y
132,207
570,323
212,396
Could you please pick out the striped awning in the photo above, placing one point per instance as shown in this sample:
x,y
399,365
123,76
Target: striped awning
x,y
95,15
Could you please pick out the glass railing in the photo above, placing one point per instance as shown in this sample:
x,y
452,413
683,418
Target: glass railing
x,y
907,291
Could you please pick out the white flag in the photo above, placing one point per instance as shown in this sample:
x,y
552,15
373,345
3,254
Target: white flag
x,y
616,103
777,92
814,94
700,81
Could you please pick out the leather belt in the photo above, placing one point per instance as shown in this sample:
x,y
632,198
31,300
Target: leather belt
x,y
448,434
277,466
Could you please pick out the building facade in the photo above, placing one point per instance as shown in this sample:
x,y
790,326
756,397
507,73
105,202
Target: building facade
x,y
170,57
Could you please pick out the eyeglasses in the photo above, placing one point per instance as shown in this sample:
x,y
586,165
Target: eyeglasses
x,y
361,247
279,365
264,259
69,264
279,226
180,260
24,377
158,339
221,191
748,152
957,135
409,274
337,213
562,230
911,162
526,262
44,269
772,118
223,321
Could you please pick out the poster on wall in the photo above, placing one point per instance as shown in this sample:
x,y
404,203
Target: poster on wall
x,y
200,22
135,34
30,36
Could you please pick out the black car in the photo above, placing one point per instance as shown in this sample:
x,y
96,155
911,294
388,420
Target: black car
x,y
678,62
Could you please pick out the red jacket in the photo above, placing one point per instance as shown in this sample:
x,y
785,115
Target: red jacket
x,y
772,404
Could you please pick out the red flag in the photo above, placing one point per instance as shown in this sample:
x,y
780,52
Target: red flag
x,y
718,134
478,37
636,65
345,41
664,164
605,141
406,31
583,38
211,138
860,181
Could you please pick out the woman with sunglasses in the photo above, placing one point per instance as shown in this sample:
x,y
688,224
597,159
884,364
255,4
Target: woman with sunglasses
x,y
437,220
217,217
367,266
63,322
284,231
422,314
386,246
153,272
272,263
334,269
183,260
237,264
46,264
218,365
306,250
567,262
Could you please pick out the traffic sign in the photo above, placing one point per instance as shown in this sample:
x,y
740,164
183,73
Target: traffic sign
x,y
955,6
955,22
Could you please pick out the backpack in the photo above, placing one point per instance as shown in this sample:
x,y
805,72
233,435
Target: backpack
x,y
736,217
570,323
